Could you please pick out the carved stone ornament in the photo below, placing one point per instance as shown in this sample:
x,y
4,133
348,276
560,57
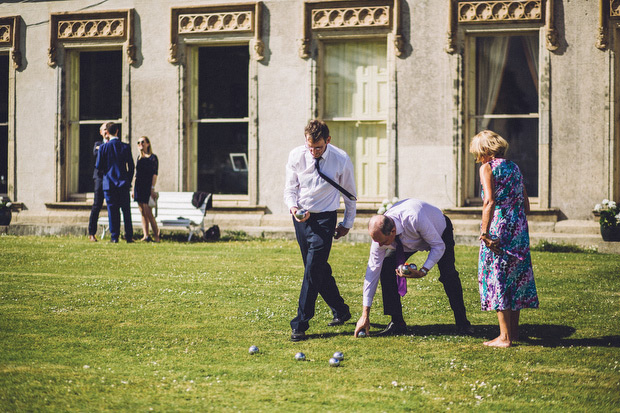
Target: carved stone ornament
x,y
5,34
493,11
351,17
9,38
109,26
501,11
215,22
614,8
607,9
71,29
186,22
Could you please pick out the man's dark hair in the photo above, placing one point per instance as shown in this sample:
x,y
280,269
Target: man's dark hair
x,y
316,130
112,128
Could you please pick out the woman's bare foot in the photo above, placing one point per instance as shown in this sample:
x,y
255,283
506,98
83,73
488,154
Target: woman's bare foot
x,y
498,342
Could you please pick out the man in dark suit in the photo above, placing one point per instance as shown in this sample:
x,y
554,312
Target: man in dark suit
x,y
98,178
116,163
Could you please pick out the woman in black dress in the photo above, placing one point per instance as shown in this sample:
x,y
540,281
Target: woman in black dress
x,y
144,188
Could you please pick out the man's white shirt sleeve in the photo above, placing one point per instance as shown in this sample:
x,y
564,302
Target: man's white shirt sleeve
x,y
373,272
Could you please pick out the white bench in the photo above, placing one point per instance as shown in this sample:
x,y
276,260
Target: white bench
x,y
174,210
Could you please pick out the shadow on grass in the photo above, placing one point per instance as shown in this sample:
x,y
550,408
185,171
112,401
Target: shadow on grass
x,y
545,335
549,335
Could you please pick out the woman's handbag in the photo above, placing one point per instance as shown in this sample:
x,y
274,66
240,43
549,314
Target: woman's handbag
x,y
153,200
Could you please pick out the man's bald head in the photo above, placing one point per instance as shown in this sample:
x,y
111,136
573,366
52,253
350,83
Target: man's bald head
x,y
382,229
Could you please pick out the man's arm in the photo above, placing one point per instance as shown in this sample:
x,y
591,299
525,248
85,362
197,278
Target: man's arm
x,y
347,181
130,165
291,185
364,322
96,147
100,162
429,233
371,280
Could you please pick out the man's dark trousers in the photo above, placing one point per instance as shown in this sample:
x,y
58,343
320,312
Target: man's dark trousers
x,y
448,276
97,205
315,241
117,200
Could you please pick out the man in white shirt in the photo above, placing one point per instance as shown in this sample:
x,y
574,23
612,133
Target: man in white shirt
x,y
309,169
418,226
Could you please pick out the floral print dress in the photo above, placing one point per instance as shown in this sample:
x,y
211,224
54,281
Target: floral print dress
x,y
506,280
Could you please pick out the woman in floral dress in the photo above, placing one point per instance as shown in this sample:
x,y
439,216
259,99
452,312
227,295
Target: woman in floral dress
x,y
505,270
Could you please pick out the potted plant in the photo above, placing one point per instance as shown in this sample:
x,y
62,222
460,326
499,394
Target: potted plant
x,y
609,218
5,210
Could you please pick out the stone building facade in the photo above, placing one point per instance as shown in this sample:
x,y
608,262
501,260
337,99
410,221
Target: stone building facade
x,y
224,89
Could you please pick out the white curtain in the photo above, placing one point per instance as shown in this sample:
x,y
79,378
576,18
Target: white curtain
x,y
530,44
492,54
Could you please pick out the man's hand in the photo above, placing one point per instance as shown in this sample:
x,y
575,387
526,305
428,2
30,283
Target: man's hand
x,y
304,219
414,274
362,324
340,231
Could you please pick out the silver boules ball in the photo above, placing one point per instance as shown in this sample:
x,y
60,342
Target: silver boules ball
x,y
362,333
300,214
338,355
253,350
334,362
300,356
407,268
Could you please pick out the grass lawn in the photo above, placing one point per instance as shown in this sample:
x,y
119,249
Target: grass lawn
x,y
167,327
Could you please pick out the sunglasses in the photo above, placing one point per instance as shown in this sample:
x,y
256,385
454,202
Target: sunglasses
x,y
141,142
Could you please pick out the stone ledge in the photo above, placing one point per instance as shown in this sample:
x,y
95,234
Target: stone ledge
x,y
536,214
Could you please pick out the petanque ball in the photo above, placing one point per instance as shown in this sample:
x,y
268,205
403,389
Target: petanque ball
x,y
338,355
253,350
334,362
300,214
300,356
362,333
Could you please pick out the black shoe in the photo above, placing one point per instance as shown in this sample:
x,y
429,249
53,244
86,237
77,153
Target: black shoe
x,y
393,329
297,335
129,241
464,330
114,241
340,320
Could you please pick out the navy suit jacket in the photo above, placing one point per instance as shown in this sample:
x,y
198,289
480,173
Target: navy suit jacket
x,y
114,160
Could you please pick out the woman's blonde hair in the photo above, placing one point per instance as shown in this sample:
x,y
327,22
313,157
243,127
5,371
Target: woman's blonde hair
x,y
488,143
149,151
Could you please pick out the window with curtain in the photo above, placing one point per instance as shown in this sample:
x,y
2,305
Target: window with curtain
x,y
355,107
507,98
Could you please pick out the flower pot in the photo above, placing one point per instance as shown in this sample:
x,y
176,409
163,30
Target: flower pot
x,y
5,216
610,234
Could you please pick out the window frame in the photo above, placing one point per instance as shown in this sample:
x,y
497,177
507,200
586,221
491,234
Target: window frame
x,y
321,106
312,46
466,189
12,48
73,123
64,46
183,50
